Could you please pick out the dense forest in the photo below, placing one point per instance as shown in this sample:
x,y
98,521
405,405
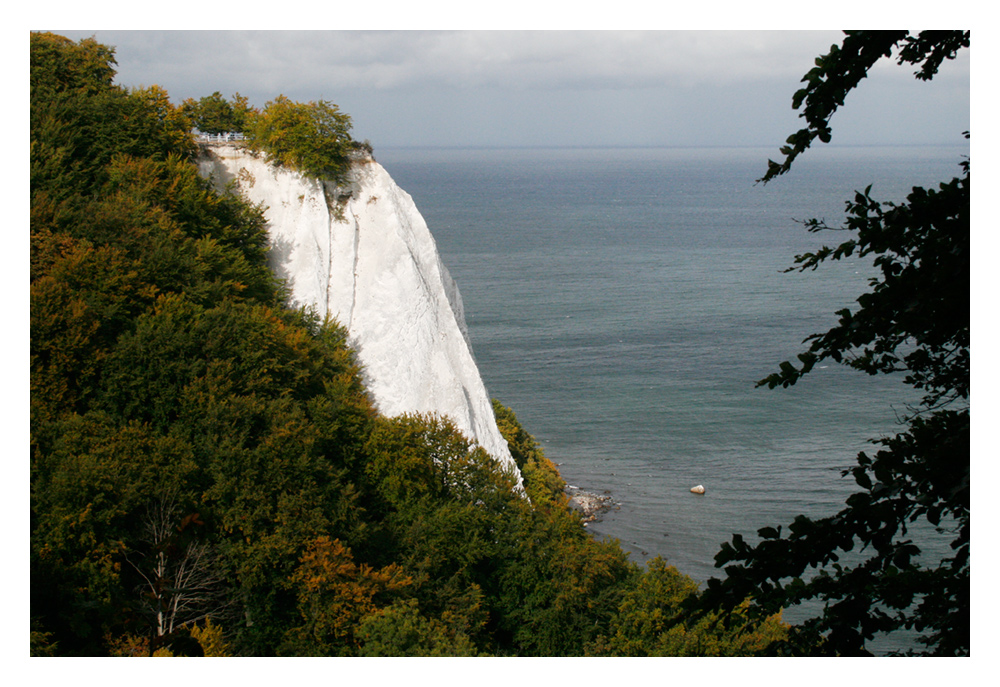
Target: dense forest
x,y
209,475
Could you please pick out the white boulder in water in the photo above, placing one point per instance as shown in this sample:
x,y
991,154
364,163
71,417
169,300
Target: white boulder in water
x,y
698,489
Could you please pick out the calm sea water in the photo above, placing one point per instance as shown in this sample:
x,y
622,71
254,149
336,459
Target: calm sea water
x,y
625,301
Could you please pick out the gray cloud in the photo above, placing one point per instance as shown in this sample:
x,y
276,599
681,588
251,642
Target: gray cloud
x,y
545,87
465,59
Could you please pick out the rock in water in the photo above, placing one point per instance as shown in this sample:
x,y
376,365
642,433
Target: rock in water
x,y
698,490
362,253
592,506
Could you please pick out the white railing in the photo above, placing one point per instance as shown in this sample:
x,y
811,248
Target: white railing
x,y
219,138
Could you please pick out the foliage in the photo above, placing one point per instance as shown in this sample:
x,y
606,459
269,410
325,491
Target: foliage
x,y
411,457
313,138
401,630
652,619
915,489
211,638
208,473
99,261
160,119
40,642
558,587
213,114
58,65
80,120
916,317
841,70
134,260
542,482
132,646
334,594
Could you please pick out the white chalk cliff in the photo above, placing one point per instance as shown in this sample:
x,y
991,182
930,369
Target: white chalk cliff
x,y
362,253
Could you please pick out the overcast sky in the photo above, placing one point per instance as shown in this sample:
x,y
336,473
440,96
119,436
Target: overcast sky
x,y
562,88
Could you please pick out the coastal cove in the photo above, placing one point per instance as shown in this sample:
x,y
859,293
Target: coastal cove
x,y
625,301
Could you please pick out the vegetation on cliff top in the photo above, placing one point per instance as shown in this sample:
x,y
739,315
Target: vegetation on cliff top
x,y
313,138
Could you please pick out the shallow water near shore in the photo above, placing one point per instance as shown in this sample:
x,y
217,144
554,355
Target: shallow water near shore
x,y
625,301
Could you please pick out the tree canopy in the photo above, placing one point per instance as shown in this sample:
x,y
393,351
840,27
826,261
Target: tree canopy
x,y
873,570
208,472
213,114
313,137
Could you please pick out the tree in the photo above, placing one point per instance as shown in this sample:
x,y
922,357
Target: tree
x,y
59,65
80,120
401,630
181,580
159,120
542,482
915,319
334,595
413,455
213,114
313,138
837,73
652,620
211,638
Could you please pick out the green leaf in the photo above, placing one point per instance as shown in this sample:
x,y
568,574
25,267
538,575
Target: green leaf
x,y
862,478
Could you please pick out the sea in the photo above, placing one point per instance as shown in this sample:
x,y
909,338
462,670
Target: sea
x,y
625,301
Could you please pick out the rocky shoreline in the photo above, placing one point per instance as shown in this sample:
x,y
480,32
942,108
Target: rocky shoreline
x,y
591,506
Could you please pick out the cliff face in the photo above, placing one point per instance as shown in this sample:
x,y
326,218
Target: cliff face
x,y
362,253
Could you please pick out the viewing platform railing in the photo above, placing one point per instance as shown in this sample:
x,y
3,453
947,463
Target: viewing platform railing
x,y
219,138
